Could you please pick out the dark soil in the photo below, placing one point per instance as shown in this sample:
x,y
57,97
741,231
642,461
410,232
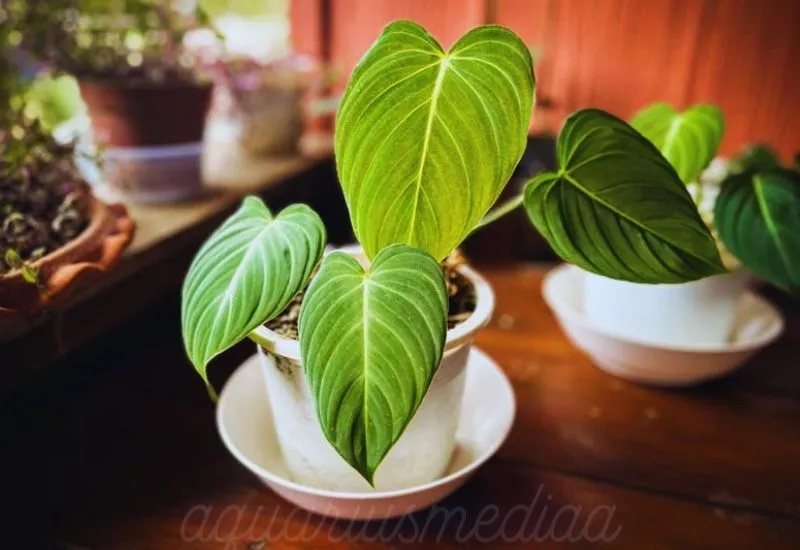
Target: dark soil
x,y
460,291
44,203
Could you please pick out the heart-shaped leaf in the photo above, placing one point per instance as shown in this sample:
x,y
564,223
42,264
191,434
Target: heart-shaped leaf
x,y
371,342
758,218
427,139
245,274
616,207
689,140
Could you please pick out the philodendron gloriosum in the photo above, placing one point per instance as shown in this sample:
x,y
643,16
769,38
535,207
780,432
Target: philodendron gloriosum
x,y
426,139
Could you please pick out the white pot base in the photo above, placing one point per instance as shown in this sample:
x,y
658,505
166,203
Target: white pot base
x,y
757,323
247,428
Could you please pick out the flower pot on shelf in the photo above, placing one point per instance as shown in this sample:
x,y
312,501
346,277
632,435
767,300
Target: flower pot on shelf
x,y
696,313
423,452
128,113
271,105
96,249
146,175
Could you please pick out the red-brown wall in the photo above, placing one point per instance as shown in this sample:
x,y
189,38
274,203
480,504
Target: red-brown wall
x,y
618,55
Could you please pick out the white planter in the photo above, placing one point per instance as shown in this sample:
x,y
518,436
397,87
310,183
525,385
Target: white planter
x,y
422,453
690,314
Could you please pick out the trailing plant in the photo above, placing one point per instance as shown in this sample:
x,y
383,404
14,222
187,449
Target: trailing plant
x,y
426,139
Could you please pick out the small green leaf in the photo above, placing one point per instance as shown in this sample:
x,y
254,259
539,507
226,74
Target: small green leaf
x,y
427,139
30,274
616,207
245,274
758,219
371,342
13,259
689,140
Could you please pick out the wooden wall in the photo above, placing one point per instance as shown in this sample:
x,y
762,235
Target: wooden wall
x,y
618,55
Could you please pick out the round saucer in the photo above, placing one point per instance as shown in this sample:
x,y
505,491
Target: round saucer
x,y
758,323
244,420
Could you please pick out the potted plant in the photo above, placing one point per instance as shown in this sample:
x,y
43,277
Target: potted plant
x,y
752,207
268,100
53,232
359,342
128,56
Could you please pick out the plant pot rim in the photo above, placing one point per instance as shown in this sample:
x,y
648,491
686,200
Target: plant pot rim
x,y
97,248
136,83
456,336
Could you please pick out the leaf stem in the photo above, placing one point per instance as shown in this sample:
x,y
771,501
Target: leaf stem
x,y
497,213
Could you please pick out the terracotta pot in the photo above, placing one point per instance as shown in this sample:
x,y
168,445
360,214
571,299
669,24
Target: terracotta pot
x,y
131,114
95,250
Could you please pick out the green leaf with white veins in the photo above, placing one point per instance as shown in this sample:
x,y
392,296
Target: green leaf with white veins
x,y
616,207
689,140
427,139
758,218
371,342
245,274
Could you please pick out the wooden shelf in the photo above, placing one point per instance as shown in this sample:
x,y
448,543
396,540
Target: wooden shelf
x,y
167,235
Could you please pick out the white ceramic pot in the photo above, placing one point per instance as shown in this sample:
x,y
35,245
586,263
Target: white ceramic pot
x,y
690,314
423,452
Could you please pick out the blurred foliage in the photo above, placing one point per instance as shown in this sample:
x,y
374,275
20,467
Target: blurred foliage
x,y
43,198
53,100
141,39
246,8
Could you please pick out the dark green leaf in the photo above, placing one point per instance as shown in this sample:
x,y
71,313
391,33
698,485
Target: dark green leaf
x,y
758,218
616,207
759,157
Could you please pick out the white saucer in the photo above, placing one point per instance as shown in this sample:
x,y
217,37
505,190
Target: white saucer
x,y
757,324
244,420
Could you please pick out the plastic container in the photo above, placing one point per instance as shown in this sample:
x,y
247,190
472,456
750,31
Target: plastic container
x,y
165,173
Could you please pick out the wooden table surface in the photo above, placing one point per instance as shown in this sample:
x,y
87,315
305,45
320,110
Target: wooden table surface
x,y
120,452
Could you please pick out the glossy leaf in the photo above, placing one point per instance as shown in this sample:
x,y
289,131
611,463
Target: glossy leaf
x,y
616,207
371,342
689,140
245,274
758,218
427,139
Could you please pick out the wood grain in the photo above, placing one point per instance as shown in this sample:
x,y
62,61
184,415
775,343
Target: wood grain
x,y
355,24
621,55
122,454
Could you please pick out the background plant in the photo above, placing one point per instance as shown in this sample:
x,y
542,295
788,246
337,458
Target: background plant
x,y
757,212
132,39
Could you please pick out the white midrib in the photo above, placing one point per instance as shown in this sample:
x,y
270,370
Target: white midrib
x,y
669,139
365,343
769,221
437,89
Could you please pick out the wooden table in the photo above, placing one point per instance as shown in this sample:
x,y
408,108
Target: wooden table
x,y
122,454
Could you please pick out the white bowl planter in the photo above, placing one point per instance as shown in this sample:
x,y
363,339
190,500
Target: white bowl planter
x,y
696,313
756,324
423,452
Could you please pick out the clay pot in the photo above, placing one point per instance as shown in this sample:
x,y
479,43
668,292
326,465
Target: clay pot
x,y
95,250
138,114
